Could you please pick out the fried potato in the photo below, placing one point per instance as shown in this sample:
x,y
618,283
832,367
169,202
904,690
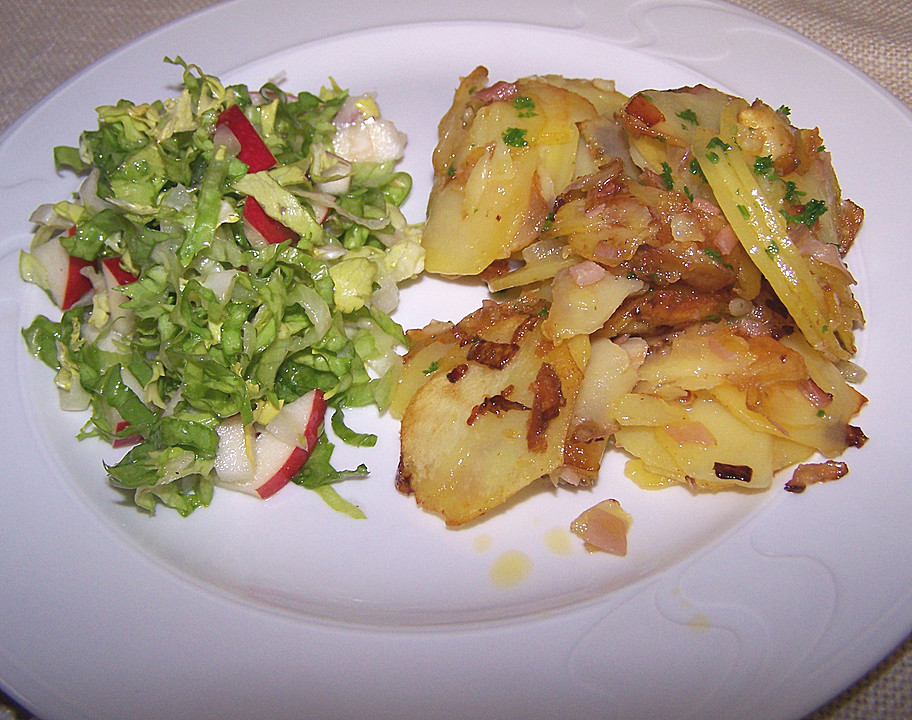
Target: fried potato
x,y
474,435
504,154
715,409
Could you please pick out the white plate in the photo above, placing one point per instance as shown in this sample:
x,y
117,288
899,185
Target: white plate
x,y
727,606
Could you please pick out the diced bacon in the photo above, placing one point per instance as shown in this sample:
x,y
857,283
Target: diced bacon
x,y
497,92
587,273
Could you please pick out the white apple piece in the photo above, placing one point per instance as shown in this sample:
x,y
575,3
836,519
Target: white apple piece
x,y
65,281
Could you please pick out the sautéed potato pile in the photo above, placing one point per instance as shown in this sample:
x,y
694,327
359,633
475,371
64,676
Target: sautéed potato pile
x,y
668,279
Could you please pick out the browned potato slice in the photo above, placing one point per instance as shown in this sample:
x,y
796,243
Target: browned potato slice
x,y
715,409
494,422
503,155
659,119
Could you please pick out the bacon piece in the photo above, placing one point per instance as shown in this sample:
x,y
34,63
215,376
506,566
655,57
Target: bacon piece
x,y
499,91
818,397
810,473
604,527
724,471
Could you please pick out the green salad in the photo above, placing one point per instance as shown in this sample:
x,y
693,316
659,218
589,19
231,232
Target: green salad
x,y
226,274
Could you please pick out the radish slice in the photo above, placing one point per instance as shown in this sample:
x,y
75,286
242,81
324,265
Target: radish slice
x,y
266,227
263,466
253,152
65,281
115,276
298,422
234,459
118,274
125,441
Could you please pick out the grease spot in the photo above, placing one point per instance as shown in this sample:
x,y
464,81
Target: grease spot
x,y
510,569
559,541
700,622
482,543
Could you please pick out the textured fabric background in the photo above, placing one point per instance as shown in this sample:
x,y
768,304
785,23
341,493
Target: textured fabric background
x,y
46,42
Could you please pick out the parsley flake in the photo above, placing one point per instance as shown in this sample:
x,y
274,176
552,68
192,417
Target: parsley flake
x,y
525,106
792,193
432,367
515,137
713,254
667,179
688,115
764,166
809,214
716,142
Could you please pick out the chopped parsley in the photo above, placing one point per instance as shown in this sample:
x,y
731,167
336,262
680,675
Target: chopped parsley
x,y
515,137
525,106
432,367
689,116
792,193
695,169
809,214
713,254
784,109
667,179
716,142
764,166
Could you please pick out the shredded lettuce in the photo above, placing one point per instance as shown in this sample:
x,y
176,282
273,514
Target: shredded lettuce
x,y
216,324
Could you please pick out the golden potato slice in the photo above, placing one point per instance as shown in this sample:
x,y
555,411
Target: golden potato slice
x,y
713,409
503,154
584,297
611,371
496,421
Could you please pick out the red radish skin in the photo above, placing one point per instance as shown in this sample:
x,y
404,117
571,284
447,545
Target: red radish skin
x,y
271,229
121,276
281,477
254,153
77,284
125,441
297,455
65,282
312,431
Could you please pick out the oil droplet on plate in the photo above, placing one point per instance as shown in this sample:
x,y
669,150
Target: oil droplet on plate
x,y
511,568
559,541
482,543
